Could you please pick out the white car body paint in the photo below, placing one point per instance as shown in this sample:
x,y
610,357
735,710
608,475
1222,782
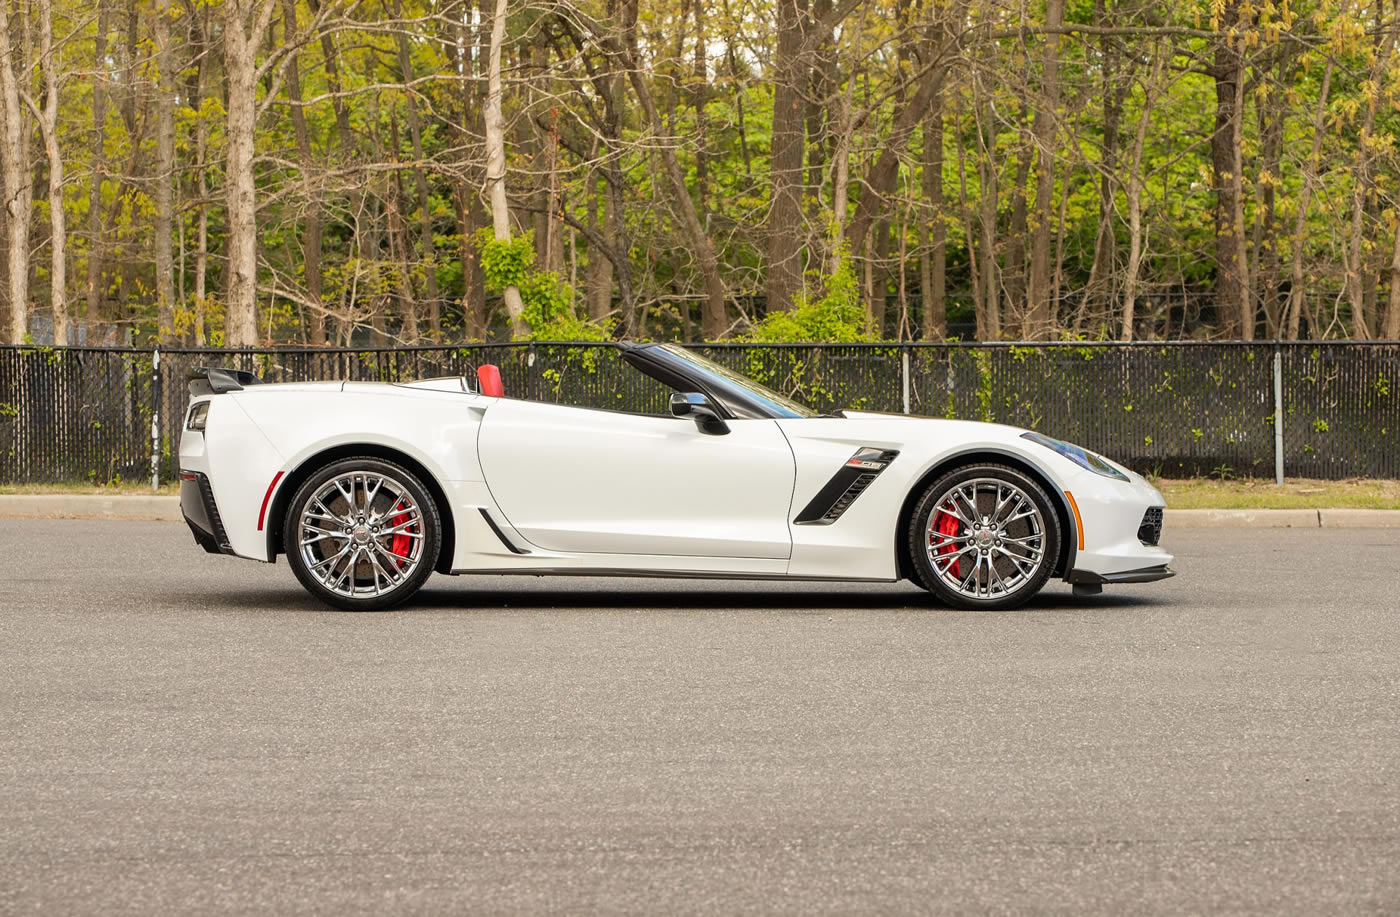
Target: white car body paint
x,y
578,490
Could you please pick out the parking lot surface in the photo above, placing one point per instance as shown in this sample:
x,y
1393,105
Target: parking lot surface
x,y
184,733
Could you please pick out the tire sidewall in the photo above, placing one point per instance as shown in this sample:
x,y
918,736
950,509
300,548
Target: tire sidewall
x,y
917,537
432,534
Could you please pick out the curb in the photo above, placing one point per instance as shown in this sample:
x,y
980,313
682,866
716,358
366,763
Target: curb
x,y
90,506
167,509
1282,519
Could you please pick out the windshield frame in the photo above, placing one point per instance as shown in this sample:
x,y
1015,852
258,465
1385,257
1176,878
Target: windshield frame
x,y
736,394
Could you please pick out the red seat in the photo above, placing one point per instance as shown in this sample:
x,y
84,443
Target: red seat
x,y
489,375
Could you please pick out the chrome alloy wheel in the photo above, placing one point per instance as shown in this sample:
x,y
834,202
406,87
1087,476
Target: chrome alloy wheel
x,y
986,538
360,534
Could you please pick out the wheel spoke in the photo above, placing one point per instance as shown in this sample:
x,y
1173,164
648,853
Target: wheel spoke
x,y
326,536
1032,553
971,577
331,559
992,568
393,559
1018,561
1007,509
401,528
952,558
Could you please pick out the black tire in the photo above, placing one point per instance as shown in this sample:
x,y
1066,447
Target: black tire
x,y
372,573
1006,563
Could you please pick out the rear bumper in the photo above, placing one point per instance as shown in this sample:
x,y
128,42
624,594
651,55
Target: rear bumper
x,y
201,513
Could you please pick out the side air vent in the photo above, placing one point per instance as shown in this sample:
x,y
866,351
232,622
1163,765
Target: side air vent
x,y
849,482
1150,532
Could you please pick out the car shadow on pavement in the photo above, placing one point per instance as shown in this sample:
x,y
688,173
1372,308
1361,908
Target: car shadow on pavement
x,y
678,598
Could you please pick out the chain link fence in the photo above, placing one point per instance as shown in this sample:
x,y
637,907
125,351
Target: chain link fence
x,y
104,415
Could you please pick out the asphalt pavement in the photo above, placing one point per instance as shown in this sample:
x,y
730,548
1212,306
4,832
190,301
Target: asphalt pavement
x,y
183,733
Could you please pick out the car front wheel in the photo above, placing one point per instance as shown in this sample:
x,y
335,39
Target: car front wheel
x,y
362,534
984,537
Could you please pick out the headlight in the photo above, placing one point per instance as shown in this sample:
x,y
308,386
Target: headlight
x,y
199,415
1080,456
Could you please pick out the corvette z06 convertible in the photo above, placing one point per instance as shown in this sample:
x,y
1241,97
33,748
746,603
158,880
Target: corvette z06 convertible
x,y
368,488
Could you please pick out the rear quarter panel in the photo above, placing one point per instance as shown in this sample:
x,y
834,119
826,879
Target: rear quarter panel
x,y
281,429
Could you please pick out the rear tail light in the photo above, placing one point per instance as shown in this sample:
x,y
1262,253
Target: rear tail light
x,y
199,416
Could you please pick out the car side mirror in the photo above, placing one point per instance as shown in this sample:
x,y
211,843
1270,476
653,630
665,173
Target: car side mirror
x,y
696,405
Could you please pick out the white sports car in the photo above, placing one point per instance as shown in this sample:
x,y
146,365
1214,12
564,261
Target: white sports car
x,y
368,488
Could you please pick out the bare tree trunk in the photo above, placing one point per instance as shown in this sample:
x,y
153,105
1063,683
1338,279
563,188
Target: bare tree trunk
x,y
1013,265
712,313
599,277
791,65
1039,315
311,239
989,316
420,178
1272,125
934,264
245,23
880,177
1105,243
496,159
1296,290
48,122
1392,313
99,168
472,52
841,163
401,251
165,171
1134,195
1233,303
1241,258
201,146
1360,293
14,168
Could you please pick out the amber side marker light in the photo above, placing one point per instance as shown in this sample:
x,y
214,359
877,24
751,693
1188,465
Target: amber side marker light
x,y
1078,522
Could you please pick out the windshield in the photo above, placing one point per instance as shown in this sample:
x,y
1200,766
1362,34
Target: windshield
x,y
723,377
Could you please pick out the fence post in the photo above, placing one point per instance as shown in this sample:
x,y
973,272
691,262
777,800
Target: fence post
x,y
155,418
904,374
1278,413
532,384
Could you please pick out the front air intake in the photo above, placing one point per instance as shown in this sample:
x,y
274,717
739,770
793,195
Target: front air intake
x,y
1150,531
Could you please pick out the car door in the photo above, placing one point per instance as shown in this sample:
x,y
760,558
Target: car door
x,y
587,481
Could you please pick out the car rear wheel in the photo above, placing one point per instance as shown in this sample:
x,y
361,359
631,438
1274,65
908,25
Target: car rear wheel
x,y
984,537
362,534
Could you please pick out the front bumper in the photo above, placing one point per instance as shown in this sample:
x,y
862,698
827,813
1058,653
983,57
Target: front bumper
x,y
202,514
1120,529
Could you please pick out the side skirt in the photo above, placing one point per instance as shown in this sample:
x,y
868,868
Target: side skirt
x,y
664,574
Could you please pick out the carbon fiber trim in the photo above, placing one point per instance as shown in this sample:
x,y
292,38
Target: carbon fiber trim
x,y
202,514
491,523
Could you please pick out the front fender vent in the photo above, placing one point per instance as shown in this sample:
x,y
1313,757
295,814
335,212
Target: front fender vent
x,y
849,482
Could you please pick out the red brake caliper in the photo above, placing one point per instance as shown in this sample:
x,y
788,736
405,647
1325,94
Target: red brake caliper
x,y
399,547
948,525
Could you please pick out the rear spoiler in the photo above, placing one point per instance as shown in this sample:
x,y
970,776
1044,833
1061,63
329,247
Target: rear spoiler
x,y
210,380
